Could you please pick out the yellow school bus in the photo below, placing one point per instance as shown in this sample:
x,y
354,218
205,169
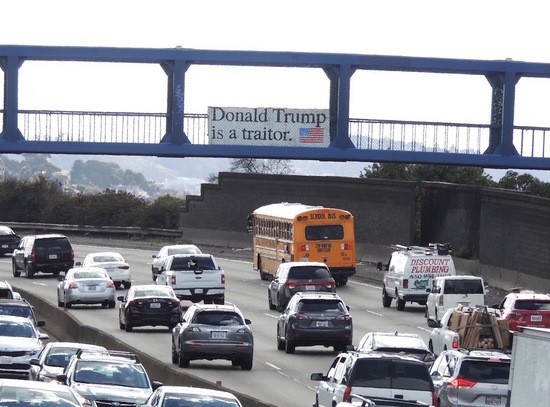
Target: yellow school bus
x,y
296,232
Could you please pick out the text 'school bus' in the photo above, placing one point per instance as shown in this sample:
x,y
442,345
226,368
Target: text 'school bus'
x,y
296,232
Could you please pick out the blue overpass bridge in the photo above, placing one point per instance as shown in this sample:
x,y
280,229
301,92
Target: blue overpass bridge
x,y
277,132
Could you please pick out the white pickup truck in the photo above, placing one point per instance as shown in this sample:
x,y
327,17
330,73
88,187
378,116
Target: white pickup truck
x,y
443,337
194,277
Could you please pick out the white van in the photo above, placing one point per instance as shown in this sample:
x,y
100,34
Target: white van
x,y
451,291
411,270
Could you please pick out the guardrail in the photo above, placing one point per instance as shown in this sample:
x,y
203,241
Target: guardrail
x,y
120,231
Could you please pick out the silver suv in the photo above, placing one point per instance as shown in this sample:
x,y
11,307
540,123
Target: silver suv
x,y
374,375
471,378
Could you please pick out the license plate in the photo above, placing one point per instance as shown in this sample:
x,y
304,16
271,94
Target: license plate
x,y
52,256
219,334
536,318
5,360
310,288
322,324
198,290
92,287
492,401
155,305
4,246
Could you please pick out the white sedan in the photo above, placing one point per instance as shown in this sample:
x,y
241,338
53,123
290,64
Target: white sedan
x,y
114,265
86,285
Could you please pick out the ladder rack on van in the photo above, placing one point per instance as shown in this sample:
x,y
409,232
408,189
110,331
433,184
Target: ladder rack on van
x,y
433,248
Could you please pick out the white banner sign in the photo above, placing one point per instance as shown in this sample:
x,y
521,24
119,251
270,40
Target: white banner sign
x,y
263,126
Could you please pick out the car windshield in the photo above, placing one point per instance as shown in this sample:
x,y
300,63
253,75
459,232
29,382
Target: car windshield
x,y
308,273
9,328
485,371
532,305
197,400
11,396
153,292
218,318
192,263
183,250
107,258
5,232
16,311
387,374
396,341
321,306
47,244
325,232
81,275
463,287
103,372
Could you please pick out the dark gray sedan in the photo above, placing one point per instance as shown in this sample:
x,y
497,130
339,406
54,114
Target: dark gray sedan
x,y
213,332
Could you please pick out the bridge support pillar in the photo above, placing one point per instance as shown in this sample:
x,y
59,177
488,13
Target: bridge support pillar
x,y
10,131
340,78
175,70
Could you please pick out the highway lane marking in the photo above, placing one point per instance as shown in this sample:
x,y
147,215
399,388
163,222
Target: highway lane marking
x,y
42,284
374,313
364,284
270,315
273,366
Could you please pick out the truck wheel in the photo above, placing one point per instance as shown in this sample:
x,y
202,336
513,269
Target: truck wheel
x,y
263,276
386,299
400,304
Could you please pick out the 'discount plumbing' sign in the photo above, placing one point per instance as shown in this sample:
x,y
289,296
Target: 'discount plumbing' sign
x,y
268,126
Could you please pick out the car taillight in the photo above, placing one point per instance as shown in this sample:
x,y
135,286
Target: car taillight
x,y
72,254
456,340
176,303
347,392
33,256
303,247
435,401
125,267
223,278
330,284
460,382
173,279
344,317
345,246
405,283
291,286
110,284
72,286
440,302
136,303
300,315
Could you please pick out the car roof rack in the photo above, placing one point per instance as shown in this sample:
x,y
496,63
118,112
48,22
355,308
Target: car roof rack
x,y
432,248
124,354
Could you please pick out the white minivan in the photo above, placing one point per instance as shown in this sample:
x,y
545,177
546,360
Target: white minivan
x,y
410,271
452,291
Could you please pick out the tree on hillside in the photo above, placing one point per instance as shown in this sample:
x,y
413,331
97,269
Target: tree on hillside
x,y
261,166
428,172
524,183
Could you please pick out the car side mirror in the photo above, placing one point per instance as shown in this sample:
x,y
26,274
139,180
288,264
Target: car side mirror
x,y
34,362
436,374
43,336
120,298
318,377
379,266
78,263
350,348
247,321
433,324
40,323
156,384
61,378
60,278
347,307
154,256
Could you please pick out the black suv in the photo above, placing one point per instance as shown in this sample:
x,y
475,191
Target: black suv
x,y
52,253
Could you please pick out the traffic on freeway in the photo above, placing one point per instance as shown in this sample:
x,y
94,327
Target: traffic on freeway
x,y
277,377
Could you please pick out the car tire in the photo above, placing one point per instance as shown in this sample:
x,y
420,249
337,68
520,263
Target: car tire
x,y
128,327
289,346
127,284
386,299
182,362
175,356
153,275
112,304
235,363
60,303
68,305
29,271
56,273
14,270
117,285
400,304
280,343
246,364
271,305
120,324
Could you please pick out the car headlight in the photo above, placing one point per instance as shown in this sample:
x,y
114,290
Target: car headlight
x,y
32,352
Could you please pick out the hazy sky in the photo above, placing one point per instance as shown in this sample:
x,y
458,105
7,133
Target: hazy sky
x,y
482,29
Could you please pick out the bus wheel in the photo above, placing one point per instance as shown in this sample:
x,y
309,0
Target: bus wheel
x,y
343,281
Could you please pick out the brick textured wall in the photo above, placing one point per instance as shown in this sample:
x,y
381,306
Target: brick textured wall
x,y
384,210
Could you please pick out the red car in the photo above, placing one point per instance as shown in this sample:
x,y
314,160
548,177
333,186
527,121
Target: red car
x,y
526,308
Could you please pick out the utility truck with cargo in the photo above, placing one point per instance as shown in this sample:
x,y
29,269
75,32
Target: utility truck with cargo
x,y
194,277
410,271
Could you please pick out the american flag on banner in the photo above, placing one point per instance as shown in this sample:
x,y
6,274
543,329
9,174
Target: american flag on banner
x,y
312,135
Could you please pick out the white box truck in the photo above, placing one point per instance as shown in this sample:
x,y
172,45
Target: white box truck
x,y
529,383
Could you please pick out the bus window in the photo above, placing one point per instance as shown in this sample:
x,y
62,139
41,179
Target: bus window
x,y
325,232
